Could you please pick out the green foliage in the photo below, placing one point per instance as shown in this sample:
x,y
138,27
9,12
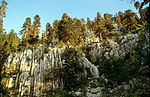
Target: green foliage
x,y
66,94
31,32
125,68
72,70
71,31
139,88
14,41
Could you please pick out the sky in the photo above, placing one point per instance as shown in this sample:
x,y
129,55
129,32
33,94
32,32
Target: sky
x,y
49,10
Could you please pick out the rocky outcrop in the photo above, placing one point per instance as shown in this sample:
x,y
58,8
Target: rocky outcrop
x,y
112,49
31,66
94,92
93,68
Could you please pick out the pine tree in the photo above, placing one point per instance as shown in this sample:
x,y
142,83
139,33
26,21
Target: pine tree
x,y
80,31
84,30
13,40
55,29
83,21
137,5
34,33
50,32
35,27
108,22
100,29
2,14
89,24
4,43
129,22
44,35
118,22
143,15
65,32
26,31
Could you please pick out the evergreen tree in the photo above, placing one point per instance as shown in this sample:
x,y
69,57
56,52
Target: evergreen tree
x,y
13,40
2,14
4,45
100,29
34,33
55,29
44,35
137,5
48,29
26,31
90,24
50,32
83,21
35,27
108,22
118,22
84,30
143,15
129,22
79,30
65,32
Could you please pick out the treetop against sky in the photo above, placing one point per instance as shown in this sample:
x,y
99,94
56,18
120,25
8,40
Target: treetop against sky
x,y
50,10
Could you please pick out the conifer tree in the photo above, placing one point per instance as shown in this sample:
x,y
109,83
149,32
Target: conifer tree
x,y
47,29
143,15
35,27
84,30
83,21
55,29
34,33
2,14
108,22
50,32
118,21
129,21
65,32
89,24
44,35
137,5
77,30
4,43
81,30
26,31
13,41
100,29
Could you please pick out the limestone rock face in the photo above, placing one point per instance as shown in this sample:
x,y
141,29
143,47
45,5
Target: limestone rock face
x,y
94,92
113,49
31,66
93,68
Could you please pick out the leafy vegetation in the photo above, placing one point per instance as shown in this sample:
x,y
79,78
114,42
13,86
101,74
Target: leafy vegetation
x,y
74,34
133,65
73,71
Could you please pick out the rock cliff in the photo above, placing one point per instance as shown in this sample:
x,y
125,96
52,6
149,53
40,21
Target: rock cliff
x,y
31,65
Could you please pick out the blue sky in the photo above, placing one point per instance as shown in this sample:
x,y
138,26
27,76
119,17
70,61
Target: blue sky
x,y
50,10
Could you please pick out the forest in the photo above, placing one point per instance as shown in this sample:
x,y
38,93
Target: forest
x,y
78,49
